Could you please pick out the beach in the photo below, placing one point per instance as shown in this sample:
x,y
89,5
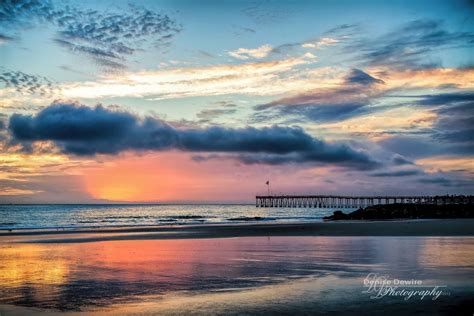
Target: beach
x,y
235,269
426,227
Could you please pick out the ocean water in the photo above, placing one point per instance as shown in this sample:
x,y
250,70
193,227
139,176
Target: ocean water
x,y
82,216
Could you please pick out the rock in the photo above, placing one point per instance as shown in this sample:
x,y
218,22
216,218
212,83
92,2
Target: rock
x,y
337,215
404,211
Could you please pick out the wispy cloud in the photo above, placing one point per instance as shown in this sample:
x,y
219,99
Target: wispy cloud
x,y
322,42
448,163
256,78
398,173
410,45
344,100
208,115
353,93
256,53
4,39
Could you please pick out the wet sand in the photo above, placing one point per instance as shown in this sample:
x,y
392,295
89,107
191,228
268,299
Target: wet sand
x,y
435,227
309,296
233,276
268,268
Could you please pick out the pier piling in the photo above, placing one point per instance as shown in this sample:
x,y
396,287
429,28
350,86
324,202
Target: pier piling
x,y
334,201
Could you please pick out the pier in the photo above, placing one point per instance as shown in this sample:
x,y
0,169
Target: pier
x,y
335,201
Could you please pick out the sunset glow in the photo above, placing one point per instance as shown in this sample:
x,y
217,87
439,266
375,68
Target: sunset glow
x,y
193,109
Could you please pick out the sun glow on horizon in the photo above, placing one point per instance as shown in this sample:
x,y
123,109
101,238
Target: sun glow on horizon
x,y
128,180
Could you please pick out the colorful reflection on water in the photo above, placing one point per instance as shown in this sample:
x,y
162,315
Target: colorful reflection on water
x,y
79,276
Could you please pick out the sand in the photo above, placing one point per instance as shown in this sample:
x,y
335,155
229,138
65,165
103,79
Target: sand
x,y
435,227
195,270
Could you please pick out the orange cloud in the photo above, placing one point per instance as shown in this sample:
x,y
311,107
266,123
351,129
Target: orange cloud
x,y
447,164
425,78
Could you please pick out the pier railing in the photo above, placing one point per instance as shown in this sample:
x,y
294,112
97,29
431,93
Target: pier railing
x,y
335,201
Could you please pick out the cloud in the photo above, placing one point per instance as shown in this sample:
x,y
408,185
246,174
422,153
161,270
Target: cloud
x,y
448,163
344,29
322,112
256,78
410,45
207,115
107,37
445,98
77,129
359,92
351,89
397,173
113,36
276,77
24,83
22,11
435,180
455,116
324,41
437,78
267,12
4,39
400,160
347,99
447,182
358,76
246,53
451,129
455,122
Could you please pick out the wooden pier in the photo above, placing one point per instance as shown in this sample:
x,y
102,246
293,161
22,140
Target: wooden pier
x,y
335,201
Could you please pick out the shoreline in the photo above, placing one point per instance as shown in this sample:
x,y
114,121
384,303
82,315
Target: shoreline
x,y
425,227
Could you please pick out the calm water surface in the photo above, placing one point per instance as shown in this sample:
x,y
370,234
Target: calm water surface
x,y
87,276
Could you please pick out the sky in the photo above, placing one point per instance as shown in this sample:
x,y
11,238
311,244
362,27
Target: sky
x,y
205,101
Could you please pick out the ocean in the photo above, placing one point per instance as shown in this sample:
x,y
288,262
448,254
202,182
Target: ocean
x,y
86,215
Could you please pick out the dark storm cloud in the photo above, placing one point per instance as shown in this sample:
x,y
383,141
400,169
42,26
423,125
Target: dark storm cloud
x,y
26,83
81,130
107,37
408,46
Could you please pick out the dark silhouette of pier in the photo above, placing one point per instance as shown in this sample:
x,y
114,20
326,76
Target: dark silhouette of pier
x,y
337,201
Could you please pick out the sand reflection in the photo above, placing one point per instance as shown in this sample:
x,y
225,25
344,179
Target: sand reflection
x,y
80,276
